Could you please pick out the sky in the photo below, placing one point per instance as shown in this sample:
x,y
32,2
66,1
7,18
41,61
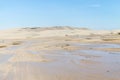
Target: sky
x,y
93,14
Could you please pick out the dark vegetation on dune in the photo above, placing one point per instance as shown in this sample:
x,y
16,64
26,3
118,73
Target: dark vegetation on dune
x,y
2,46
54,28
119,33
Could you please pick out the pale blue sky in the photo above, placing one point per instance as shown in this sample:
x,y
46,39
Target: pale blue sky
x,y
94,14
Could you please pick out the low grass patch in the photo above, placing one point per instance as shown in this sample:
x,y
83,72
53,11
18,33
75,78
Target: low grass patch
x,y
2,46
16,43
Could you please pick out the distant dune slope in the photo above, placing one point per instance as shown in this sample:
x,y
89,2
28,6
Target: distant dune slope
x,y
36,32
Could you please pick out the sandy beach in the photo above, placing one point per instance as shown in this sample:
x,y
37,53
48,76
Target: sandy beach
x,y
59,53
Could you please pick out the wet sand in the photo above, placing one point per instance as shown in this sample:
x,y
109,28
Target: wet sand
x,y
60,58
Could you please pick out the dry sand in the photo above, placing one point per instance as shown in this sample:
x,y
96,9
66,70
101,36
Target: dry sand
x,y
59,54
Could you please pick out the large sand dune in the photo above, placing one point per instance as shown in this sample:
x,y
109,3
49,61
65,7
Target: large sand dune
x,y
37,32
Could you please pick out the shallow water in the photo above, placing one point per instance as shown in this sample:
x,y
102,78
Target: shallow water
x,y
63,65
95,45
5,57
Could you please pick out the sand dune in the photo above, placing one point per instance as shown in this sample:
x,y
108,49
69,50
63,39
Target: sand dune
x,y
24,33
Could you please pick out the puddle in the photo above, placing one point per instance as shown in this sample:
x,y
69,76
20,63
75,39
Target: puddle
x,y
33,52
66,56
12,48
93,52
99,45
106,57
4,57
